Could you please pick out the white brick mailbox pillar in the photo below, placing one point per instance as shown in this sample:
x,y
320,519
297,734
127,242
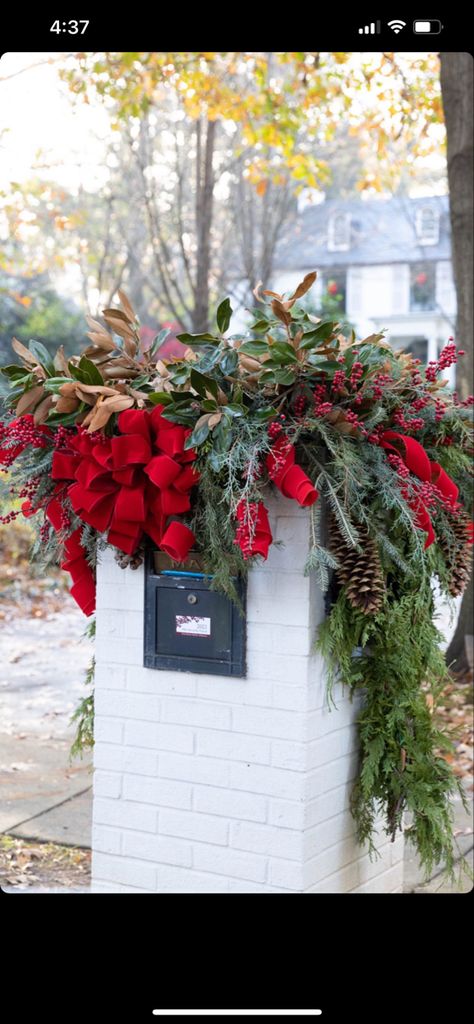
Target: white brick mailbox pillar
x,y
205,783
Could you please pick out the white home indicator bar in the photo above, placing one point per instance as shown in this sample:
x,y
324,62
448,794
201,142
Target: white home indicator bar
x,y
236,1013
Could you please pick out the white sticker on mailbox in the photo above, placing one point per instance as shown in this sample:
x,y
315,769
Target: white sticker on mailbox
x,y
193,625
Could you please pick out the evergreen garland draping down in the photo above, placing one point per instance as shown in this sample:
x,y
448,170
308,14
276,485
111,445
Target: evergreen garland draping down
x,y
119,444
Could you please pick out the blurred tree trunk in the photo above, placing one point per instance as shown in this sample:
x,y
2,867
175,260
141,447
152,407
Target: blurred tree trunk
x,y
204,211
456,90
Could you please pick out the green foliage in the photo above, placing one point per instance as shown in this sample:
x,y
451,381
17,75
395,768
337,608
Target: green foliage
x,y
389,658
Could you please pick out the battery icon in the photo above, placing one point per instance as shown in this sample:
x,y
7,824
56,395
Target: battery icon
x,y
427,28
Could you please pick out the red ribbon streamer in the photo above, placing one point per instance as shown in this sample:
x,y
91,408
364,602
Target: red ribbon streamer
x,y
83,589
418,462
290,479
253,535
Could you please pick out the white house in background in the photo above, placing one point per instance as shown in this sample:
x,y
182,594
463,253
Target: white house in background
x,y
391,263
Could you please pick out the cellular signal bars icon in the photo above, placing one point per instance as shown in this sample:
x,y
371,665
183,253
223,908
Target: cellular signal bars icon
x,y
370,30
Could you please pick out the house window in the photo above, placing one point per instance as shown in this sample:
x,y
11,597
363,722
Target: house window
x,y
427,225
339,233
422,287
333,295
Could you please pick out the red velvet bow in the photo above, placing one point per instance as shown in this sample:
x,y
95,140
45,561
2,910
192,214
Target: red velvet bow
x,y
126,486
290,479
417,461
130,484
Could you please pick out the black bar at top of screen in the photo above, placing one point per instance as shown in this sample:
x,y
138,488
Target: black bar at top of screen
x,y
329,31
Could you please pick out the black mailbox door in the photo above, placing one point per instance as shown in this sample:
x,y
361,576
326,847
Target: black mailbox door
x,y
190,628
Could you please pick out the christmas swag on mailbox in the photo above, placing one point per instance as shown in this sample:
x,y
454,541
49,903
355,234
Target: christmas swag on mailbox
x,y
119,447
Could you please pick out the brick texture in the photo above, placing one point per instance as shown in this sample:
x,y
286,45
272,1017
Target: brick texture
x,y
210,784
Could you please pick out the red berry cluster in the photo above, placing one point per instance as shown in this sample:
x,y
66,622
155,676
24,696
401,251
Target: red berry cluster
x,y
446,358
427,493
10,516
300,405
380,381
44,531
275,429
398,465
419,403
440,410
20,434
320,407
356,374
416,423
63,436
339,381
352,417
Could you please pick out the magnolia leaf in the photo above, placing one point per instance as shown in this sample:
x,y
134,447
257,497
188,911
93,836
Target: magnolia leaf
x,y
113,372
94,324
275,295
88,367
29,400
64,404
102,340
40,353
228,361
87,399
60,361
15,372
158,397
256,291
197,339
42,410
22,351
117,403
302,288
214,420
95,389
204,386
282,353
280,312
254,348
68,389
127,306
162,369
97,418
224,314
249,363
373,339
200,432
158,341
116,314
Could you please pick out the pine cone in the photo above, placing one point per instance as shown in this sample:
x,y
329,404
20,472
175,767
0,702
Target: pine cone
x,y
130,561
360,573
458,557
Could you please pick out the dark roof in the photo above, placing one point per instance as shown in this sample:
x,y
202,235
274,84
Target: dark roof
x,y
382,231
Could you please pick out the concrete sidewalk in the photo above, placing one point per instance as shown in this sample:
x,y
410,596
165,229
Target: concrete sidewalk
x,y
43,795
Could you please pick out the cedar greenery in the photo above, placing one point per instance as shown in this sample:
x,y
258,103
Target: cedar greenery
x,y
333,399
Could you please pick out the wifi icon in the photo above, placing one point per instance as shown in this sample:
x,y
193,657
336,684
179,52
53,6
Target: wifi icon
x,y
396,25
